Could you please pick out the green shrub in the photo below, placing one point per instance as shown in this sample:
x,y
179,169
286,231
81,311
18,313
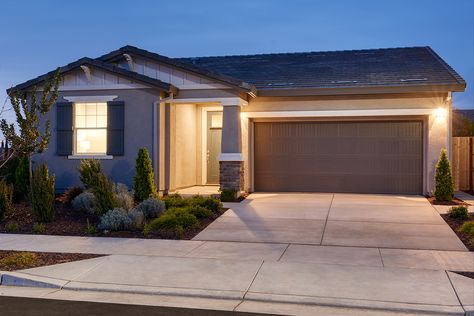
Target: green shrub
x,y
467,228
90,171
444,189
38,228
116,219
199,211
12,227
175,220
6,198
143,183
208,202
459,212
228,195
70,194
90,229
22,178
104,194
174,200
151,207
17,260
7,171
42,194
85,202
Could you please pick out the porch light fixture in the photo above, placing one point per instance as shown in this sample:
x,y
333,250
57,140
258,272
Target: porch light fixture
x,y
440,113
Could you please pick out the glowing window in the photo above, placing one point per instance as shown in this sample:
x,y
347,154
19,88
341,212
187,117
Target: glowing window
x,y
90,128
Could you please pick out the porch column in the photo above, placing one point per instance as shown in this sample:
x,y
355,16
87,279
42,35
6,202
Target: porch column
x,y
231,162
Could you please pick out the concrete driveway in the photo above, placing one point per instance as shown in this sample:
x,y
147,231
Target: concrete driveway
x,y
360,220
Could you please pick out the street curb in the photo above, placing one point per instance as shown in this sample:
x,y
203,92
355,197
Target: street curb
x,y
26,280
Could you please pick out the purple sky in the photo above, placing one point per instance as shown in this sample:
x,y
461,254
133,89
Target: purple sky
x,y
37,36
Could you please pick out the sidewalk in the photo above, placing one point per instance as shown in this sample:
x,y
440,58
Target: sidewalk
x,y
253,277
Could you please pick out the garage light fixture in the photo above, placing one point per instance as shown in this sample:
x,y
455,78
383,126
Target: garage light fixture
x,y
440,113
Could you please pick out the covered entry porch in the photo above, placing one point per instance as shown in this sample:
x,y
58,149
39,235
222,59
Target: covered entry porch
x,y
190,149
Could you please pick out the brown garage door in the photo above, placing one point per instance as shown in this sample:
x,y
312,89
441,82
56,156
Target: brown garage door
x,y
361,157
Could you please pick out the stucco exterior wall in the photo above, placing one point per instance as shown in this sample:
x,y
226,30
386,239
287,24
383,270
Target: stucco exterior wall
x,y
437,134
185,152
138,133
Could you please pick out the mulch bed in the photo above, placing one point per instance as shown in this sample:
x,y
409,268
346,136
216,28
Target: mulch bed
x,y
455,224
42,259
454,202
68,222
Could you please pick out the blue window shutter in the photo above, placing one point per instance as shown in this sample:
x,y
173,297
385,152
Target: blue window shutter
x,y
64,128
115,128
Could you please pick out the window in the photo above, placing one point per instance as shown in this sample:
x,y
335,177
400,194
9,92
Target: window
x,y
90,128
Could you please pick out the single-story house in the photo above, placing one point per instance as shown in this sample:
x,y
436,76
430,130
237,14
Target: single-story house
x,y
364,121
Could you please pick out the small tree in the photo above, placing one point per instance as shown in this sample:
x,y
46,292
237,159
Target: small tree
x,y
104,194
143,182
42,194
90,170
21,178
32,137
444,189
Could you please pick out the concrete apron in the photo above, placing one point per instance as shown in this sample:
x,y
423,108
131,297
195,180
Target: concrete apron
x,y
241,283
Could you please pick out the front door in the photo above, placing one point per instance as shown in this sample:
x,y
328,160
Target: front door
x,y
214,134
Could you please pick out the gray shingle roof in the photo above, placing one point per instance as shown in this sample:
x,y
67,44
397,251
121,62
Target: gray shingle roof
x,y
356,68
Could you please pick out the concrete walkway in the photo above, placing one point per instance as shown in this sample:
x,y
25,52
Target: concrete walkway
x,y
257,277
359,220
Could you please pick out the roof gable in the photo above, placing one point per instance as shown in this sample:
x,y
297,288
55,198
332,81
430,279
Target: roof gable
x,y
73,67
118,55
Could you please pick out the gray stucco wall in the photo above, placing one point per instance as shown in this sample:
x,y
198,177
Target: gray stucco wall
x,y
138,134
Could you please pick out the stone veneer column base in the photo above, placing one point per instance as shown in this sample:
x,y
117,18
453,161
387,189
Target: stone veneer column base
x,y
231,175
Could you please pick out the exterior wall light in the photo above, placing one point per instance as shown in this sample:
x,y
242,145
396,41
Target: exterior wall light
x,y
440,113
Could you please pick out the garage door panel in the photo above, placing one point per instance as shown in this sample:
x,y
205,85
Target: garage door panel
x,y
366,157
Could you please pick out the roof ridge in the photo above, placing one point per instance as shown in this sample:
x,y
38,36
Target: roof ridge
x,y
450,70
304,52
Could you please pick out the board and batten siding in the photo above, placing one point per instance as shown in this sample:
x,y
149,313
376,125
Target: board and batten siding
x,y
165,73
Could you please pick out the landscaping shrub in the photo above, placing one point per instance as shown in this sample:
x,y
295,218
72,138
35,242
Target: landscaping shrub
x,y
175,220
123,197
42,194
90,171
70,194
38,228
6,198
12,227
90,229
116,219
85,202
459,212
22,178
210,203
174,200
22,259
104,194
7,172
199,211
151,207
228,195
444,189
467,228
143,183
137,218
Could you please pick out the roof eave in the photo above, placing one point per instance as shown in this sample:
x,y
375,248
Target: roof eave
x,y
307,91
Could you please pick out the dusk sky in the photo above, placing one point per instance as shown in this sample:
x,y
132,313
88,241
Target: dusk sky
x,y
37,36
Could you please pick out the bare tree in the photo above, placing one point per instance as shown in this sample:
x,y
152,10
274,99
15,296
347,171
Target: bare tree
x,y
32,137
